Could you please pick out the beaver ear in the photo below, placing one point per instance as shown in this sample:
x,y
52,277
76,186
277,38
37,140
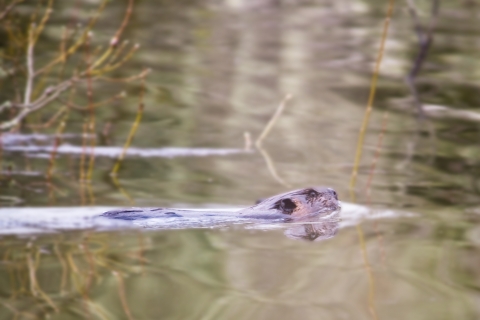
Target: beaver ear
x,y
287,206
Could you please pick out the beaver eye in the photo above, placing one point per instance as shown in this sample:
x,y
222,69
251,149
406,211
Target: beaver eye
x,y
287,206
334,193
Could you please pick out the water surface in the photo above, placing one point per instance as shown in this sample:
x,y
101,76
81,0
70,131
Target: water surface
x,y
219,69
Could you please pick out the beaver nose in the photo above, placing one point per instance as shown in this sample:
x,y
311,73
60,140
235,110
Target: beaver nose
x,y
333,193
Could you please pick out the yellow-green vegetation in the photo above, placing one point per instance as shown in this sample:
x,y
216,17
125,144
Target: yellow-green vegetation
x,y
41,93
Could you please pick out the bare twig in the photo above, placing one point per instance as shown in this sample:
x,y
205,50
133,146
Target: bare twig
x,y
271,167
129,79
371,98
80,41
126,18
273,120
82,163
58,141
111,67
9,8
358,156
91,120
112,58
264,134
425,41
412,9
50,121
30,70
107,101
44,20
49,95
119,187
134,128
116,37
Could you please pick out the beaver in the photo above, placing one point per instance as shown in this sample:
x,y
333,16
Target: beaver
x,y
305,204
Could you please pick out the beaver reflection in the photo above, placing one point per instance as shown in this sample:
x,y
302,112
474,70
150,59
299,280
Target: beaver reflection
x,y
314,231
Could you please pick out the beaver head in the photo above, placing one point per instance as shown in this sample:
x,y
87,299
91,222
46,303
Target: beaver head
x,y
298,204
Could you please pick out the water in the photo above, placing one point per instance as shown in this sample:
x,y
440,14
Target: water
x,y
219,69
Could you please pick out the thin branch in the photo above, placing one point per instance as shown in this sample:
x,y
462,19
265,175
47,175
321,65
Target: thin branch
x,y
129,79
9,8
30,70
271,167
425,41
371,98
50,121
116,37
91,120
43,21
58,141
412,9
49,95
126,18
111,67
273,120
80,41
107,101
133,130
